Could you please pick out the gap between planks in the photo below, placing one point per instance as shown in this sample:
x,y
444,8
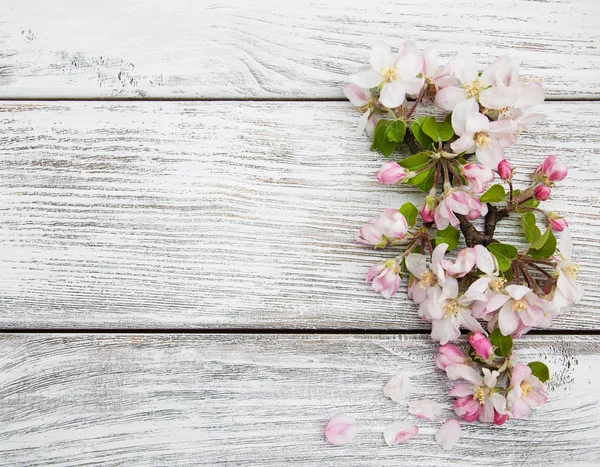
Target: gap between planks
x,y
269,331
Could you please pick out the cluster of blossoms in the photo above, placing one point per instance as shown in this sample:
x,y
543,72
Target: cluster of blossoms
x,y
495,387
459,163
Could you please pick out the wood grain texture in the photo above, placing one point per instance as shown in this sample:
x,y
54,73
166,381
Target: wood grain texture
x,y
272,49
228,215
264,400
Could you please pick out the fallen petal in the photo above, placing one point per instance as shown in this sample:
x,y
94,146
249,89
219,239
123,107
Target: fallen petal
x,y
398,387
399,432
340,430
448,434
425,409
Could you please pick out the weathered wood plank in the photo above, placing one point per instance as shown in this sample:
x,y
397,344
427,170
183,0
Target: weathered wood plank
x,y
268,48
177,215
264,400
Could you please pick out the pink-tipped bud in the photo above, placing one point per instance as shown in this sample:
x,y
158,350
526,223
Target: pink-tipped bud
x,y
478,176
557,223
427,213
391,173
481,344
551,171
542,192
504,170
499,418
449,354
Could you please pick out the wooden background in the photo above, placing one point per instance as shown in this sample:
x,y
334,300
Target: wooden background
x,y
180,190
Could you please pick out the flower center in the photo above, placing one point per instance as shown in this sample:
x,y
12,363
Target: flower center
x,y
473,88
452,307
526,388
572,270
479,395
427,279
519,305
389,74
482,139
498,285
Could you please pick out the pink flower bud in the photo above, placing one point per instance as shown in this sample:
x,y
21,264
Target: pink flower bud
x,y
542,192
504,170
427,214
551,170
467,408
390,224
499,418
558,224
391,173
481,344
449,354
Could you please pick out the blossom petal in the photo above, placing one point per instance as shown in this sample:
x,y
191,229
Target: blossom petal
x,y
465,143
498,97
367,78
392,94
397,388
448,434
491,154
508,320
464,372
465,67
416,264
409,65
381,56
449,97
530,95
431,57
357,95
461,390
444,330
517,291
340,430
486,262
399,432
425,409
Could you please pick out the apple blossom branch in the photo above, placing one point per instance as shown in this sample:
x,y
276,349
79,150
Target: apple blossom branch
x,y
509,290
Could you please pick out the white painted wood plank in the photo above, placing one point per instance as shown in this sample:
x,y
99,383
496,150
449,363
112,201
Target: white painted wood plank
x,y
233,215
274,49
264,400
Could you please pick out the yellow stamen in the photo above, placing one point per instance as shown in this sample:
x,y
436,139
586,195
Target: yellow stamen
x,y
482,139
498,285
519,305
452,308
389,75
572,270
473,88
479,395
525,388
427,279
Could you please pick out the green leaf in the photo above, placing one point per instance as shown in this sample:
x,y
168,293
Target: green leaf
x,y
532,231
380,139
449,235
428,182
540,371
541,241
495,194
547,249
396,131
504,254
437,131
503,344
421,177
503,249
416,162
410,212
421,137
